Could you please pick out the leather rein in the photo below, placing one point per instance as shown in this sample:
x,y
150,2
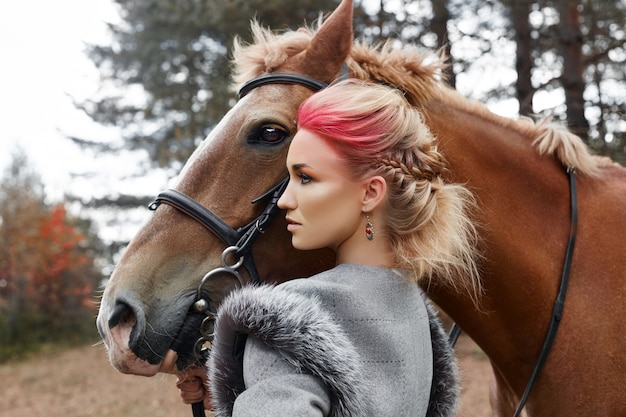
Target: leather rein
x,y
559,302
239,244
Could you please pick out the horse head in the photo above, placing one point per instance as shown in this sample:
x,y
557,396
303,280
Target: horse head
x,y
149,294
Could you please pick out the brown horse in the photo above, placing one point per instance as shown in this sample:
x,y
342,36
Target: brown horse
x,y
514,167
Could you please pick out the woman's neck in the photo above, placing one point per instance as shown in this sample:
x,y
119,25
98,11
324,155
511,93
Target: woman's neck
x,y
370,253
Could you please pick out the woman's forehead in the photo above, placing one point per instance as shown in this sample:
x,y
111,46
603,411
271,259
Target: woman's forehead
x,y
313,150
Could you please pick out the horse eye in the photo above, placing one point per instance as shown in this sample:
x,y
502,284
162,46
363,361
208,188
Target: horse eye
x,y
272,134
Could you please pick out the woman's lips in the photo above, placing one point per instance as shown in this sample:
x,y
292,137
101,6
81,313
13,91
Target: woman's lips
x,y
291,224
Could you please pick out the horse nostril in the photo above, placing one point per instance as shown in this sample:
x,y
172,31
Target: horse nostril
x,y
122,313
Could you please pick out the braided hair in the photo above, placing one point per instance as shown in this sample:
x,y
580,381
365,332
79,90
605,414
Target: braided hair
x,y
376,132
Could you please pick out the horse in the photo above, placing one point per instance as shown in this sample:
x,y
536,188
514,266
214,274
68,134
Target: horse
x,y
516,168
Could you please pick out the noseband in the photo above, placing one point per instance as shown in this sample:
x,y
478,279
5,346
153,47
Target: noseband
x,y
238,242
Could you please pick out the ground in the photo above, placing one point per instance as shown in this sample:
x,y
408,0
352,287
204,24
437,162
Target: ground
x,y
81,383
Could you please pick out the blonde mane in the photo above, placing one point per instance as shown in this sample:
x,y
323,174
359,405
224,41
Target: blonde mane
x,y
556,140
418,74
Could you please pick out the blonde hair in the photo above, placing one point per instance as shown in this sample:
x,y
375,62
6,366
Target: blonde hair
x,y
375,130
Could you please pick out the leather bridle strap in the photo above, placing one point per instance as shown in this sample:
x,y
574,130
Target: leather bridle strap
x,y
284,78
559,303
244,237
198,212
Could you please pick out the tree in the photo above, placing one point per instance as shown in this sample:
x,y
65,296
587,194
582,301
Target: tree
x,y
174,57
47,267
603,26
571,46
439,26
522,34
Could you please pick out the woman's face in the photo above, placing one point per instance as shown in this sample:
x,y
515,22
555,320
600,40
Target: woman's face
x,y
324,205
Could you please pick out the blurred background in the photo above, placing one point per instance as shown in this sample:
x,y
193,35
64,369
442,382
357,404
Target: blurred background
x,y
102,101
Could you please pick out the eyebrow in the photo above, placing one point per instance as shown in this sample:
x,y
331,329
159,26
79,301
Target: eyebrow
x,y
299,166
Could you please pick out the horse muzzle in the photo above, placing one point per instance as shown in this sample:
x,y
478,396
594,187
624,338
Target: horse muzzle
x,y
135,345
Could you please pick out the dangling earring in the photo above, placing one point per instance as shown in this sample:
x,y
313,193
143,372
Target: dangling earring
x,y
369,228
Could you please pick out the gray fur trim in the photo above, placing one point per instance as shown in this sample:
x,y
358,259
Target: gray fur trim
x,y
445,390
301,331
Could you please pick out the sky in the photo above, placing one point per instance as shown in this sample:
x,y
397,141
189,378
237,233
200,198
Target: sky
x,y
44,69
44,65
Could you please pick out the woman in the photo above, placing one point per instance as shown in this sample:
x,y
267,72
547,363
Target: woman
x,y
359,339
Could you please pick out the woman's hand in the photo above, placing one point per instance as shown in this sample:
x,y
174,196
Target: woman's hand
x,y
193,386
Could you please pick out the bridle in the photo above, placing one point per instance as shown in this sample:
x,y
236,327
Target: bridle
x,y
239,244
238,241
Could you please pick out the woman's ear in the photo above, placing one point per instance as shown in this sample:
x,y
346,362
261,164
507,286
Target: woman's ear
x,y
375,192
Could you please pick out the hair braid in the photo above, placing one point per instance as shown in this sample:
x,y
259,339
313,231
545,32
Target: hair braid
x,y
427,220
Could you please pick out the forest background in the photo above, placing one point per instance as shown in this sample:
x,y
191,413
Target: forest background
x,y
164,86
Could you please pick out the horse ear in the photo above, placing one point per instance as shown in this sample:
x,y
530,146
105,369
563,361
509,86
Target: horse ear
x,y
331,45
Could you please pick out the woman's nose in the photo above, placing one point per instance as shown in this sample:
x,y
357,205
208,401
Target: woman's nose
x,y
286,200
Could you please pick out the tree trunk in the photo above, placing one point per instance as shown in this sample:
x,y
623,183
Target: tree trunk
x,y
571,41
439,26
520,9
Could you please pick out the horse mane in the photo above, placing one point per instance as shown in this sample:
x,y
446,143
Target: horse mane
x,y
418,74
554,139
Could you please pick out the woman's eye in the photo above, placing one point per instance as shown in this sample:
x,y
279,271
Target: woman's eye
x,y
304,179
272,134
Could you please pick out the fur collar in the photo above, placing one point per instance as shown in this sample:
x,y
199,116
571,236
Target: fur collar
x,y
301,330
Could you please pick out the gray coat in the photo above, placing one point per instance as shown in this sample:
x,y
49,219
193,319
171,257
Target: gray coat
x,y
351,341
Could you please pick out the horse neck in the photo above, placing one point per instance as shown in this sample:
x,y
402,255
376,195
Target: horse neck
x,y
523,219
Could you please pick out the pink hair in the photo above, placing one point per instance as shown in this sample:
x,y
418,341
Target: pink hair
x,y
361,124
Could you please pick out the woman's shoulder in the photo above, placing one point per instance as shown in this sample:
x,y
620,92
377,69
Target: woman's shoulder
x,y
347,275
351,275
360,287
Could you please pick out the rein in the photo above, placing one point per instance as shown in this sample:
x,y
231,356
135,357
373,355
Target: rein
x,y
239,242
559,302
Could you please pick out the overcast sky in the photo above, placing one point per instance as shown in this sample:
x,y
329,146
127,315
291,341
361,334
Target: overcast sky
x,y
44,67
42,44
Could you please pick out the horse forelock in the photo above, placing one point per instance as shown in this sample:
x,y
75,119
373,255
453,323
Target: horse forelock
x,y
268,51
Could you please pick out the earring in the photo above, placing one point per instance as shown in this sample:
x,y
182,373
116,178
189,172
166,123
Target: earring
x,y
369,228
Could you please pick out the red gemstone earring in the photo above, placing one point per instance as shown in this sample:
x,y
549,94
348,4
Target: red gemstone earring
x,y
369,228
